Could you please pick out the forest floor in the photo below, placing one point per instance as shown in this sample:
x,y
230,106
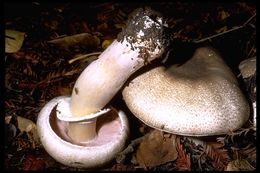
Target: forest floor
x,y
43,63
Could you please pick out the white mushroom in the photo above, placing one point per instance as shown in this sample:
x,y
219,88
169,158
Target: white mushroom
x,y
142,41
112,130
198,98
71,135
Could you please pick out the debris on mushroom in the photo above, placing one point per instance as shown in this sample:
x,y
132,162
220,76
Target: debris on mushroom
x,y
198,98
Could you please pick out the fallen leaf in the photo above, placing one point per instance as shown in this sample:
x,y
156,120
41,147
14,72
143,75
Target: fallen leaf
x,y
28,126
106,43
248,67
222,29
24,124
13,40
82,40
64,91
102,27
87,57
10,130
156,149
222,15
239,165
8,119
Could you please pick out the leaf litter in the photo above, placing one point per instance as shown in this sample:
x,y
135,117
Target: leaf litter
x,y
59,41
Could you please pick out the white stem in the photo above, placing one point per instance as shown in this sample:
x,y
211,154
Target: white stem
x,y
82,131
80,128
100,81
140,42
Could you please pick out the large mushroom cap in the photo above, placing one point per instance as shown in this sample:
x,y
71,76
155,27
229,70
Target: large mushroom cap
x,y
198,98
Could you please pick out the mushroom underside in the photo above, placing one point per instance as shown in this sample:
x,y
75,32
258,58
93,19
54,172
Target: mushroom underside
x,y
112,132
108,127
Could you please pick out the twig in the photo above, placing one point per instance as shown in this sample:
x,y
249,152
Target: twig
x,y
216,35
121,157
225,32
249,20
84,56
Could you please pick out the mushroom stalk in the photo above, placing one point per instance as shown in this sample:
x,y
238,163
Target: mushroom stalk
x,y
101,80
142,41
83,131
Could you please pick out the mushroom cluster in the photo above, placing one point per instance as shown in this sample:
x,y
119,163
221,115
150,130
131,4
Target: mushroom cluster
x,y
200,97
82,130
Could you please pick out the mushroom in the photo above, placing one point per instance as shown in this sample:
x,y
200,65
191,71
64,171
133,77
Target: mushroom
x,y
112,133
200,97
70,128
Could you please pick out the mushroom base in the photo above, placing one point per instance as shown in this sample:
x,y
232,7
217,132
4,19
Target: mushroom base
x,y
112,132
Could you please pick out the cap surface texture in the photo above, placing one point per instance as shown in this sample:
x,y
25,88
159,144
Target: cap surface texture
x,y
198,98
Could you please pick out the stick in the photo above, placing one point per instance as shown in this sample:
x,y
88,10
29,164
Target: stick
x,y
84,56
225,32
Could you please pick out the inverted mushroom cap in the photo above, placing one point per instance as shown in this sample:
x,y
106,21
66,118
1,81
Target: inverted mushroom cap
x,y
112,132
198,98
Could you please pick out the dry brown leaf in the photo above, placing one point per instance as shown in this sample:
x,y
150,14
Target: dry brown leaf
x,y
28,126
248,67
102,27
82,40
8,119
25,126
156,149
239,165
88,58
222,15
58,75
106,43
64,91
222,29
13,40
